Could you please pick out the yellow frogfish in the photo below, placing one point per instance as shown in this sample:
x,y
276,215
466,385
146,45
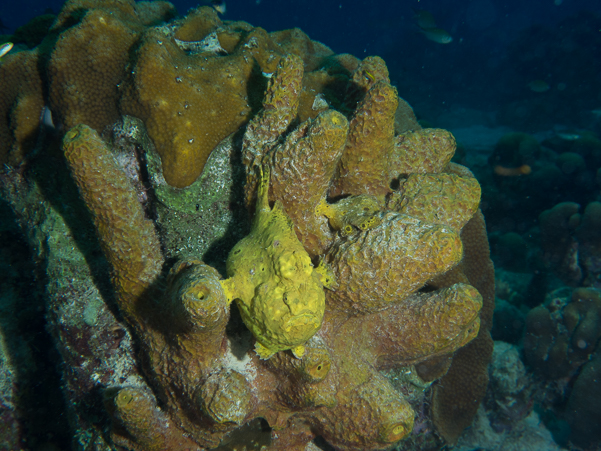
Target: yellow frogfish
x,y
279,293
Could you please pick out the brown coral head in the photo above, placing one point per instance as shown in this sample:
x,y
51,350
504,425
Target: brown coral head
x,y
375,415
226,397
447,246
197,297
465,303
390,261
423,151
312,367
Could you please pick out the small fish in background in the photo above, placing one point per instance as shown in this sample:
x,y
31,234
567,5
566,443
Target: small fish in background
x,y
539,86
5,48
437,35
48,130
568,136
424,19
46,119
596,113
427,26
504,171
218,5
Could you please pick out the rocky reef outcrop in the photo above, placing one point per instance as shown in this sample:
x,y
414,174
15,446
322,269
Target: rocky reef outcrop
x,y
228,166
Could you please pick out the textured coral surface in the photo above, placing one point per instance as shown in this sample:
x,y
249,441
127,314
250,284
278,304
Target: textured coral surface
x,y
365,278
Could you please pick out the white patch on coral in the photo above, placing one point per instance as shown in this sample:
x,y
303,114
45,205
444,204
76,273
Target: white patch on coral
x,y
320,103
244,366
210,44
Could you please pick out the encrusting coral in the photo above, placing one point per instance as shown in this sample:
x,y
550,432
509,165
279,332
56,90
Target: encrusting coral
x,y
189,101
89,60
367,255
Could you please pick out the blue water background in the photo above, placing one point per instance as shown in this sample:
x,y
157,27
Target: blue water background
x,y
472,70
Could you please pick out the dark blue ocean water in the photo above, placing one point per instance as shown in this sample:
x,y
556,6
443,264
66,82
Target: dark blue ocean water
x,y
372,27
486,63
